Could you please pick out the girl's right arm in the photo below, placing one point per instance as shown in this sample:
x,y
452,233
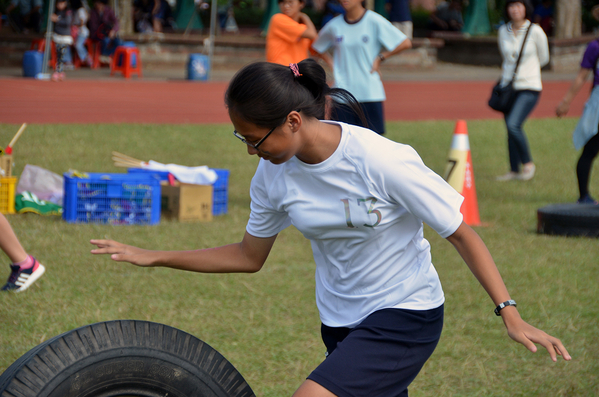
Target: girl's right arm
x,y
247,256
577,84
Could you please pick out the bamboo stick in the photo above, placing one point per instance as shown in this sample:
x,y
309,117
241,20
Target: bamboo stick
x,y
17,135
135,163
124,157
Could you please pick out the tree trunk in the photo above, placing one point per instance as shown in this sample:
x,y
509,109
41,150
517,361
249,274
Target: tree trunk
x,y
124,10
568,19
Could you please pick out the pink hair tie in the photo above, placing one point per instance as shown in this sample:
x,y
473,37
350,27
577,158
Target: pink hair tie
x,y
295,69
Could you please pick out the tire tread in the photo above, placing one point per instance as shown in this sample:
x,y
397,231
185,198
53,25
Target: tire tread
x,y
33,372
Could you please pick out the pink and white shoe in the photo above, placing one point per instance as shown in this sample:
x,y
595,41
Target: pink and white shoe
x,y
21,279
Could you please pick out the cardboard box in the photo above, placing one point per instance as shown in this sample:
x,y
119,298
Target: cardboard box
x,y
5,166
187,202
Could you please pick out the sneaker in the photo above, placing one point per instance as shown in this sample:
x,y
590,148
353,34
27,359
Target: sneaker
x,y
510,176
55,76
62,76
528,172
19,280
587,200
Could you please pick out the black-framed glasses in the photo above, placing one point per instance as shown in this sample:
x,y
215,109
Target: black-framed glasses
x,y
254,145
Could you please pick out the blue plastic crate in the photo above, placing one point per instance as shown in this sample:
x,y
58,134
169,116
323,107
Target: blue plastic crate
x,y
220,192
115,199
220,187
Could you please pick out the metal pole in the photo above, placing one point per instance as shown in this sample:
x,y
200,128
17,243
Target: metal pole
x,y
44,75
213,23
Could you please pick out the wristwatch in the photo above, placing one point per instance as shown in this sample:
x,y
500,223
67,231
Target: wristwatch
x,y
511,302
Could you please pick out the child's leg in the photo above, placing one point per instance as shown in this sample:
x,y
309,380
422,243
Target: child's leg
x,y
25,269
60,55
9,242
585,163
80,47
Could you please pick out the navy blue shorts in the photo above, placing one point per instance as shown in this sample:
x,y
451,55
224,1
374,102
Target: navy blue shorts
x,y
372,110
381,356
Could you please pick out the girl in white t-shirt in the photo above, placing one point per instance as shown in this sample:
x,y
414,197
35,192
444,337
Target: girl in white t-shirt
x,y
80,18
361,40
361,200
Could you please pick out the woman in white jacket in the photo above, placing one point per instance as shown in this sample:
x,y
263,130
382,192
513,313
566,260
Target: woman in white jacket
x,y
527,82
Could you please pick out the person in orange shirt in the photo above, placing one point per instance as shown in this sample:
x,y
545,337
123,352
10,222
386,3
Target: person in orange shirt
x,y
290,34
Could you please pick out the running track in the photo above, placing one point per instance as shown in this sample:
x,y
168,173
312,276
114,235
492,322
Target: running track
x,y
176,102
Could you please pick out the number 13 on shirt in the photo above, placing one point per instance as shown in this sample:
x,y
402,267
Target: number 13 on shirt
x,y
369,210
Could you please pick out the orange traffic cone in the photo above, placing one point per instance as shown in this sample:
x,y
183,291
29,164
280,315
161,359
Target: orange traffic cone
x,y
459,173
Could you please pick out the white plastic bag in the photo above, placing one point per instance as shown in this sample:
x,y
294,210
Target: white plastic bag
x,y
43,183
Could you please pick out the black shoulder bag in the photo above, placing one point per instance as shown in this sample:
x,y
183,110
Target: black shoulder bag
x,y
502,98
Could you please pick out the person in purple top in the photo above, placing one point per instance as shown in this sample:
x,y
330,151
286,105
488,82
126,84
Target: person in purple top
x,y
585,135
104,26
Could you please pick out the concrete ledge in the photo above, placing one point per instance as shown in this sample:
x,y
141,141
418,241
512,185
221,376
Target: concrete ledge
x,y
231,51
566,54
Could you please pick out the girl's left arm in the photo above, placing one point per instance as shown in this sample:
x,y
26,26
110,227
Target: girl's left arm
x,y
478,258
405,45
542,46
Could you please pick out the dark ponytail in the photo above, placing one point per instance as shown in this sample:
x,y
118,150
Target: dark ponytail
x,y
264,93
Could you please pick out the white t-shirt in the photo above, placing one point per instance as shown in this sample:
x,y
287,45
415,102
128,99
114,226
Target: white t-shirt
x,y
362,209
80,18
355,46
534,57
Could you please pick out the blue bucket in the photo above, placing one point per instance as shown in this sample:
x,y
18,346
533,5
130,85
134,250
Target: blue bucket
x,y
198,67
32,63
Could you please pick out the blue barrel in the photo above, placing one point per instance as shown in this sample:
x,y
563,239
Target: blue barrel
x,y
198,67
32,63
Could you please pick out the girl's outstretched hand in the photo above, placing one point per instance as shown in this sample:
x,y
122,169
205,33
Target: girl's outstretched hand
x,y
520,331
123,253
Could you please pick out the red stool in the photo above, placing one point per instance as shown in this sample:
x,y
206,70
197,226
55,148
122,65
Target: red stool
x,y
95,51
40,46
123,59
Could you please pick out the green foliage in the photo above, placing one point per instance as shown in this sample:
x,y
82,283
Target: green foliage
x,y
247,15
266,323
588,22
420,18
315,15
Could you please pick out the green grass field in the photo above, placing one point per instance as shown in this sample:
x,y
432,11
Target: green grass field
x,y
267,324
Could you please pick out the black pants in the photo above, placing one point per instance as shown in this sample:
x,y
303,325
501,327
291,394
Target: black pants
x,y
373,111
585,162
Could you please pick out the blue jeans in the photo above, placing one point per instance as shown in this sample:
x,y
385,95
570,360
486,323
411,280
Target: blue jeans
x,y
517,142
80,47
109,45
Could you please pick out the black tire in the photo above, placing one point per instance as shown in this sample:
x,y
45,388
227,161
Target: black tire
x,y
569,220
123,358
